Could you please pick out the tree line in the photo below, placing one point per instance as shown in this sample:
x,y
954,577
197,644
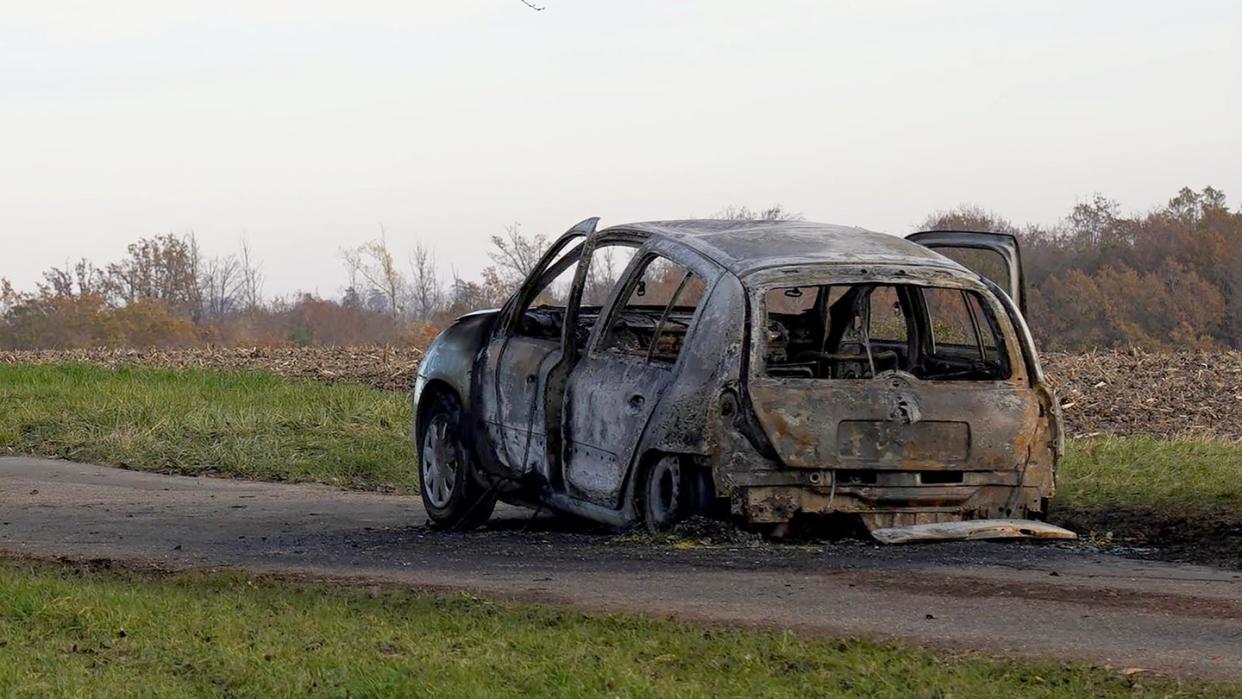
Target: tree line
x,y
1167,278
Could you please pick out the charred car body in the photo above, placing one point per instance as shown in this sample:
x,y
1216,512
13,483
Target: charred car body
x,y
770,370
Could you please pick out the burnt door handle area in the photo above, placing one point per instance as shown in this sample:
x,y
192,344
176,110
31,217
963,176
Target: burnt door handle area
x,y
636,401
530,378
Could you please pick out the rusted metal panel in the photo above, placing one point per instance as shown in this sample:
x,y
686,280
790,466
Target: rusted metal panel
x,y
972,530
814,423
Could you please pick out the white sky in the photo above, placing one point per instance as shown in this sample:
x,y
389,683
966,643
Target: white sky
x,y
305,126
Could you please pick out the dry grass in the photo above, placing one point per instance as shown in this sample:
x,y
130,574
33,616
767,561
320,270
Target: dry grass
x,y
387,368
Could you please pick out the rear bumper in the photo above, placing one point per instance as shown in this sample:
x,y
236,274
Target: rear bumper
x,y
981,496
884,494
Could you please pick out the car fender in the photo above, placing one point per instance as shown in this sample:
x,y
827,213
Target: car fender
x,y
450,360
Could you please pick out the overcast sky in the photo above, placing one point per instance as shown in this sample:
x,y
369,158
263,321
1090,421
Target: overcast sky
x,y
305,125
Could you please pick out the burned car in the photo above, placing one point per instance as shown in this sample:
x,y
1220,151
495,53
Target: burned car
x,y
761,370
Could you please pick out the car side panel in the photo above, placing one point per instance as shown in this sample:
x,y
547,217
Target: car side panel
x,y
684,421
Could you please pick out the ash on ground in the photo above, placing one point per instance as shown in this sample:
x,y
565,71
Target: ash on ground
x,y
715,532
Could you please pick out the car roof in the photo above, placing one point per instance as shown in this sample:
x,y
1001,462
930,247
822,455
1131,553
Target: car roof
x,y
747,246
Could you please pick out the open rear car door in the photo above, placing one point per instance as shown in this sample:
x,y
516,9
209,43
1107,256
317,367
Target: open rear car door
x,y
992,255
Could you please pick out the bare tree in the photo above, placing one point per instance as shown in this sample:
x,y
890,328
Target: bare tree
x,y
516,253
776,212
221,283
251,278
374,263
533,6
426,288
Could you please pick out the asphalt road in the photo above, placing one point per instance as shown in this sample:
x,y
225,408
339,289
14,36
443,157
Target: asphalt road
x,y
1044,600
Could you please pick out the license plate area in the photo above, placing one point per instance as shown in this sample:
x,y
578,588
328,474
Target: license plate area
x,y
890,442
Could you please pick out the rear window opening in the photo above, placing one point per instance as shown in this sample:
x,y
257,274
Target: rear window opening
x,y
856,331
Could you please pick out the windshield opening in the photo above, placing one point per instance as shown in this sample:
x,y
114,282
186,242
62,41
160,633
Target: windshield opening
x,y
856,331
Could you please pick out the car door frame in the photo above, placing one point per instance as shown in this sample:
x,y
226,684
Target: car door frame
x,y
595,351
493,406
1004,244
553,385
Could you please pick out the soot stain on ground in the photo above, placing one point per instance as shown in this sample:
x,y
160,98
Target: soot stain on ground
x,y
562,541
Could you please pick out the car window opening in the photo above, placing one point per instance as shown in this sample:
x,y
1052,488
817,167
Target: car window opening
x,y
858,331
544,318
656,316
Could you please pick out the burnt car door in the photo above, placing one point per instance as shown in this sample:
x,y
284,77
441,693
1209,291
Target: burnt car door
x,y
540,335
995,256
613,389
525,345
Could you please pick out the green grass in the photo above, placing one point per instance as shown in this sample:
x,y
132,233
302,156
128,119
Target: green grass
x,y
1190,478
68,632
244,424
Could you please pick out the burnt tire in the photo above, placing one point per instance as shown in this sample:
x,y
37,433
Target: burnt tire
x,y
702,492
452,494
664,498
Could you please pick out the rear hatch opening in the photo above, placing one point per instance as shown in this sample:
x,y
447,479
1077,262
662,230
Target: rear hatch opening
x,y
857,331
908,386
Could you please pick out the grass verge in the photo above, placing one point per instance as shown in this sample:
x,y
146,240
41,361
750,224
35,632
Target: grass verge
x,y
1184,497
76,632
244,424
1190,477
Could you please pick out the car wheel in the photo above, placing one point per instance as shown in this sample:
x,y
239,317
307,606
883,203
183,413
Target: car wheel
x,y
451,494
664,495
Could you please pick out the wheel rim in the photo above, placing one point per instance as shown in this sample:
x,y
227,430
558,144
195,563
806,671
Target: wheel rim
x,y
441,459
664,491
